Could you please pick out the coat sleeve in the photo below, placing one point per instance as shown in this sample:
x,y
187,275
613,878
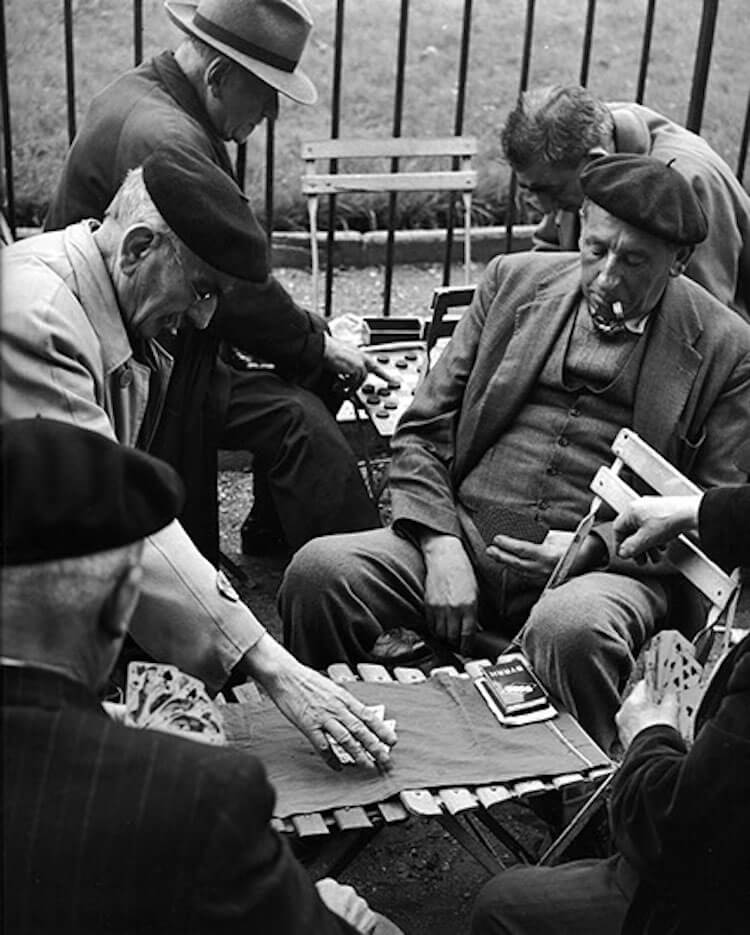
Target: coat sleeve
x,y
682,816
248,879
724,525
423,446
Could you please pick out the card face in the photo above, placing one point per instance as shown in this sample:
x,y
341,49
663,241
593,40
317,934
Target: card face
x,y
669,665
499,520
513,685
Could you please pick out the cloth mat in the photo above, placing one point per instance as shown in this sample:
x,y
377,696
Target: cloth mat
x,y
447,736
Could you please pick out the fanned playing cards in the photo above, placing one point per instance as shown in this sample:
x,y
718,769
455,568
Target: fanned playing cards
x,y
161,697
668,663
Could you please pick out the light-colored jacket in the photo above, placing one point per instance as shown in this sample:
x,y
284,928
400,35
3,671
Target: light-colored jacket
x,y
65,354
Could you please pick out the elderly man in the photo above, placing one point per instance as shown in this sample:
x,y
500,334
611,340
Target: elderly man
x,y
81,311
680,816
221,81
492,461
553,132
108,828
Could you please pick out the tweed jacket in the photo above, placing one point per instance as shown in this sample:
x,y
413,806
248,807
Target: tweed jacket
x,y
692,402
722,262
681,816
65,355
110,829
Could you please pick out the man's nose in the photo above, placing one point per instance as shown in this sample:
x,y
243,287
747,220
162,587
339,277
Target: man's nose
x,y
609,275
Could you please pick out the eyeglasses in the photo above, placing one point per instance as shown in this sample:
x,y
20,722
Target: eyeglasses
x,y
203,302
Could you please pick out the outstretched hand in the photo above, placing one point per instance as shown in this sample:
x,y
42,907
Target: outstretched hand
x,y
319,707
351,363
533,561
650,522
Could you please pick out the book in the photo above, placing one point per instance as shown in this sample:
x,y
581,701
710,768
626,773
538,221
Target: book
x,y
513,693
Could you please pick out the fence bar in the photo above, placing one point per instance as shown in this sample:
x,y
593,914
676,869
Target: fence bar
x,y
398,113
69,68
743,143
333,164
270,161
138,31
7,142
458,129
648,30
528,37
702,64
587,39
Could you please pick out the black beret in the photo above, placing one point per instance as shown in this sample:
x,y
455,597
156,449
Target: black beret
x,y
207,211
69,492
648,194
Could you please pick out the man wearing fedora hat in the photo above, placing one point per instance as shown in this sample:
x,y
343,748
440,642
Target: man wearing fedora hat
x,y
108,828
223,79
82,311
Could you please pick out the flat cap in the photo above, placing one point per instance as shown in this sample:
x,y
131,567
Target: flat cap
x,y
69,492
648,194
207,211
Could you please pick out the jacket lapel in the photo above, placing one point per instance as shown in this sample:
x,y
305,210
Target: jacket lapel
x,y
670,365
538,324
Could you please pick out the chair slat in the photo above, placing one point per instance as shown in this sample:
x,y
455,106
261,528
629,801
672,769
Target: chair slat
x,y
308,825
351,818
420,802
457,799
461,180
394,148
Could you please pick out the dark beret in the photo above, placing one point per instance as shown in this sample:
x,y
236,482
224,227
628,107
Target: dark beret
x,y
648,194
207,211
69,492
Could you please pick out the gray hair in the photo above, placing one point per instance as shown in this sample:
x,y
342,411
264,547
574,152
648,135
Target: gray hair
x,y
61,592
132,204
194,56
555,125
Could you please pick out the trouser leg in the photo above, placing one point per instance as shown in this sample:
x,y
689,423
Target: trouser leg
x,y
586,897
340,592
312,473
582,639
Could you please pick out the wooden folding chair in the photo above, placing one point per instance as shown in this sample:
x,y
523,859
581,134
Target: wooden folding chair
x,y
462,179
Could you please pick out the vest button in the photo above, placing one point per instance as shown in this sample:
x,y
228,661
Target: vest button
x,y
562,442
126,377
574,412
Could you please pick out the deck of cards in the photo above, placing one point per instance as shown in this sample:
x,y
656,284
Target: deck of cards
x,y
346,759
161,697
513,693
668,663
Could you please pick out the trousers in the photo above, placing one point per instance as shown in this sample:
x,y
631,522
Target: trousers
x,y
311,472
585,897
340,593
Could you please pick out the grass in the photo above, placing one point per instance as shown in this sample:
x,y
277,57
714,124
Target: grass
x,y
104,48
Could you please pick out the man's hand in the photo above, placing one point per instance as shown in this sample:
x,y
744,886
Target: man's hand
x,y
352,363
641,709
317,706
344,902
649,522
450,589
533,561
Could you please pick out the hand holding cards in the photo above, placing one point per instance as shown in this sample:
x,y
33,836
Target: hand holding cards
x,y
513,693
342,757
668,664
161,697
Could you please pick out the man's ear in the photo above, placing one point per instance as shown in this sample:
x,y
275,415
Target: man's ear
x,y
215,75
681,260
118,608
136,242
595,152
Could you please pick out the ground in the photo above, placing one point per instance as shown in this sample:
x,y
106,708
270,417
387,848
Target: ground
x,y
414,872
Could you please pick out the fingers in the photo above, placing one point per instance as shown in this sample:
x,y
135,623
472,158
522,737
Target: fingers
x,y
358,730
374,367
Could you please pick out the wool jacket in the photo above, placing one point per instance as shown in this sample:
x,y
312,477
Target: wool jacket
x,y
722,262
113,829
681,816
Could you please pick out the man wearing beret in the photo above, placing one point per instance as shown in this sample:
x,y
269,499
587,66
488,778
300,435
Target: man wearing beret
x,y
493,459
224,78
82,309
680,815
108,828
554,131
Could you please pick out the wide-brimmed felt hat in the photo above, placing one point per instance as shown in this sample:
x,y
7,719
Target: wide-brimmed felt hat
x,y
264,36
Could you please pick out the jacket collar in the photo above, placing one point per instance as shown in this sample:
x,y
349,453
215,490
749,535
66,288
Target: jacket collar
x,y
29,686
176,83
631,130
94,290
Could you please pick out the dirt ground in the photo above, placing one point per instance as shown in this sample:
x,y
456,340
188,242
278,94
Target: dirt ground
x,y
414,872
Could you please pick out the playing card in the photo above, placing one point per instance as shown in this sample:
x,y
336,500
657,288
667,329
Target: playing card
x,y
669,664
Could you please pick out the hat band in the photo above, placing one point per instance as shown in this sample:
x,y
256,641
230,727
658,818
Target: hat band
x,y
242,45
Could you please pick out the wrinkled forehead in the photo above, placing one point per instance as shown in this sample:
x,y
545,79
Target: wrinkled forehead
x,y
599,224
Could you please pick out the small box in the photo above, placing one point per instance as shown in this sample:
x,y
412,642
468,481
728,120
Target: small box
x,y
387,330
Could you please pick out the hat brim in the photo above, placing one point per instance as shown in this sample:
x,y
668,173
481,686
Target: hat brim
x,y
295,85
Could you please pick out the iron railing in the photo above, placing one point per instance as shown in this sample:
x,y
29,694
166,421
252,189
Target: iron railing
x,y
693,120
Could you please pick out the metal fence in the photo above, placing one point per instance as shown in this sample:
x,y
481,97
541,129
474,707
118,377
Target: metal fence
x,y
693,118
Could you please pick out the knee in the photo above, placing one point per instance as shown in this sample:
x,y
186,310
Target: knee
x,y
313,571
562,621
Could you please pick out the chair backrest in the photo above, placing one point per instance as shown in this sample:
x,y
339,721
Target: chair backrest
x,y
444,298
462,178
